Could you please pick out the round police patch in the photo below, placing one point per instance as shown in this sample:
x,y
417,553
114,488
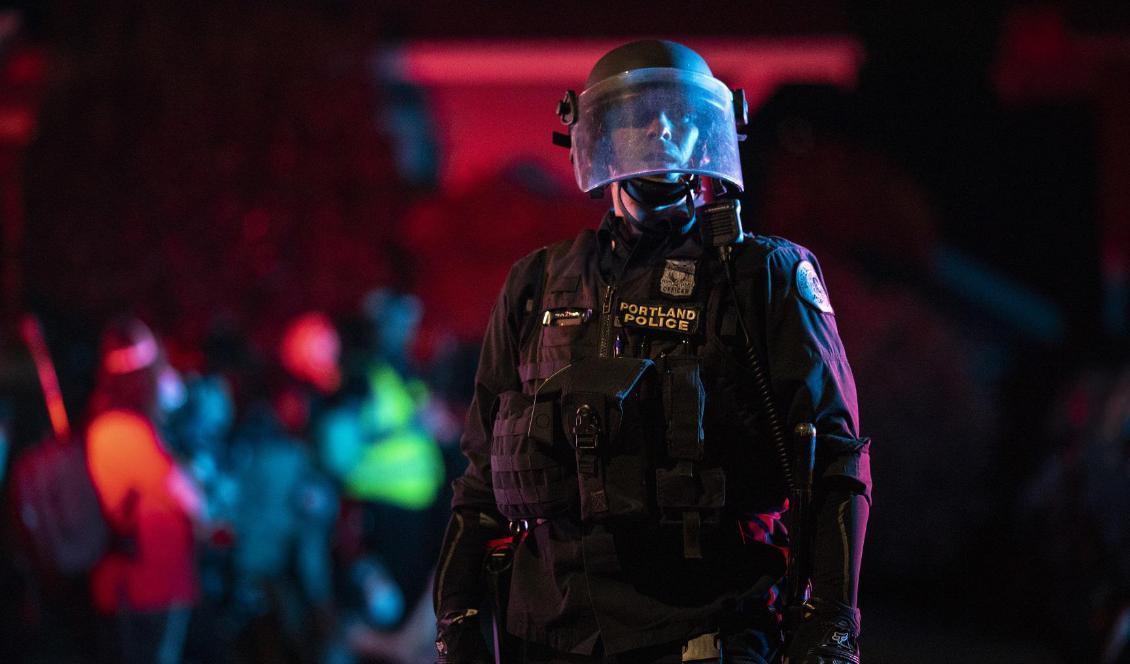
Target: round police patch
x,y
810,288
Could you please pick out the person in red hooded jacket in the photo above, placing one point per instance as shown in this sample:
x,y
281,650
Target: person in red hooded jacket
x,y
146,584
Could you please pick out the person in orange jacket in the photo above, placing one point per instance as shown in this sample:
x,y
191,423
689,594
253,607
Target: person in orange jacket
x,y
146,584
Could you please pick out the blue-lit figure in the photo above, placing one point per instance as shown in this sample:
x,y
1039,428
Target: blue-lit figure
x,y
376,441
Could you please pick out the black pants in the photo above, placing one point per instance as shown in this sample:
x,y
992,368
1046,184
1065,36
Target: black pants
x,y
144,637
747,647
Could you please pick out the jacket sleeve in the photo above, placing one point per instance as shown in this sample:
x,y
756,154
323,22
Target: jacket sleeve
x,y
128,464
811,378
497,373
813,382
458,588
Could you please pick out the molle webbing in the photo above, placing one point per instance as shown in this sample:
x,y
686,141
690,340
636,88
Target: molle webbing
x,y
606,472
528,482
528,479
687,489
684,401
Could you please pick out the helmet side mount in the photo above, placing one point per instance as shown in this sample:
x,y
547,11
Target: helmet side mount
x,y
741,112
567,111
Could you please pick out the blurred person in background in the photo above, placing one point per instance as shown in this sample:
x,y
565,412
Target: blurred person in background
x,y
283,522
198,434
5,439
1076,504
12,578
450,371
285,507
379,440
813,175
147,583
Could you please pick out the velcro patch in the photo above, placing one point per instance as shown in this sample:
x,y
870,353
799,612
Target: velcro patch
x,y
681,319
565,284
811,289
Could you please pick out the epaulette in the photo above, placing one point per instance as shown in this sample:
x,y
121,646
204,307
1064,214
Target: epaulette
x,y
770,243
757,247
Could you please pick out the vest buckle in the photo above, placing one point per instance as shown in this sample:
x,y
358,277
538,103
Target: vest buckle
x,y
586,428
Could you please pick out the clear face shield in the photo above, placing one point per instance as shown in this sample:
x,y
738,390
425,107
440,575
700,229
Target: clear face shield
x,y
657,122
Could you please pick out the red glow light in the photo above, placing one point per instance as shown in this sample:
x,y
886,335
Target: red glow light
x,y
309,351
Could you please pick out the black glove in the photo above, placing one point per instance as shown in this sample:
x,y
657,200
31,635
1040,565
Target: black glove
x,y
459,586
460,640
827,634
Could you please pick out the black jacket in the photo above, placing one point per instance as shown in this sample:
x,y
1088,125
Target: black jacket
x,y
628,585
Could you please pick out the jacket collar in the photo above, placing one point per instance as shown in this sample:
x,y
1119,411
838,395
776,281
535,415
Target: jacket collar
x,y
613,238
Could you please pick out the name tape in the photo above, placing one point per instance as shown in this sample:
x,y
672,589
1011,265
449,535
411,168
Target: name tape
x,y
665,317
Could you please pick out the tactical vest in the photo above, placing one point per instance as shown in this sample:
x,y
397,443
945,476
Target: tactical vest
x,y
616,383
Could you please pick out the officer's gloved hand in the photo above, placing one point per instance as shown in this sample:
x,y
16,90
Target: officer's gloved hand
x,y
459,640
829,634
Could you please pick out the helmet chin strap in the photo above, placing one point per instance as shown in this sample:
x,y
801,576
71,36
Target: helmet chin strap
x,y
655,194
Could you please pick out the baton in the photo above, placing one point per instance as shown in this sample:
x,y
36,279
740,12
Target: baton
x,y
800,526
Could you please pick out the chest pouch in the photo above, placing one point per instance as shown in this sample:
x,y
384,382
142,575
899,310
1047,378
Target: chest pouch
x,y
531,475
602,417
688,492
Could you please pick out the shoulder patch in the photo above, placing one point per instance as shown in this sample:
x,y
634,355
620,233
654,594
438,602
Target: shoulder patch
x,y
811,289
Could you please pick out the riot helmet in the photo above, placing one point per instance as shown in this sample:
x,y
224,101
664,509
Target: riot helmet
x,y
652,111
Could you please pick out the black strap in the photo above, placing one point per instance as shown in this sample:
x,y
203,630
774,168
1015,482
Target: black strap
x,y
588,429
684,401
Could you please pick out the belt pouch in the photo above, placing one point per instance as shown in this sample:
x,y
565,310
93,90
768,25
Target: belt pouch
x,y
529,474
687,493
609,478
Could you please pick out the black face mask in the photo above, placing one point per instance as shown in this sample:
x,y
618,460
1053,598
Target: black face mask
x,y
659,193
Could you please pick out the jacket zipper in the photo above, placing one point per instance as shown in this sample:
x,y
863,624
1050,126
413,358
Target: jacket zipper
x,y
606,322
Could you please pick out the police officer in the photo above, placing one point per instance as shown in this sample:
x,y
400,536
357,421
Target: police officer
x,y
615,429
